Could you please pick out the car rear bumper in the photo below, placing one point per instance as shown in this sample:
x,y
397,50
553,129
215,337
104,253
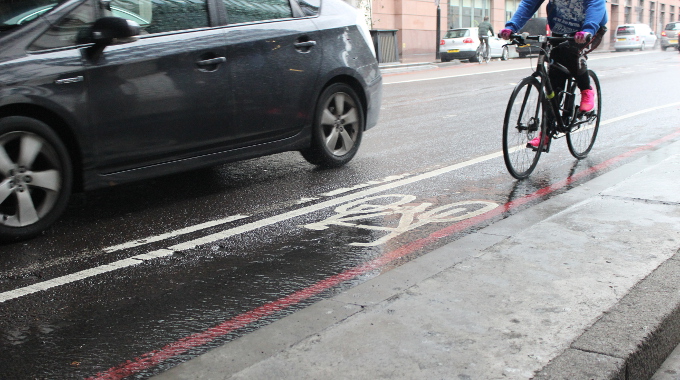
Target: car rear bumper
x,y
669,42
627,44
458,55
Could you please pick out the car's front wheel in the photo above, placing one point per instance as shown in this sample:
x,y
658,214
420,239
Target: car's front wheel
x,y
35,177
338,127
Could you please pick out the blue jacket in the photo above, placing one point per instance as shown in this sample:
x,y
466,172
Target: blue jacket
x,y
564,16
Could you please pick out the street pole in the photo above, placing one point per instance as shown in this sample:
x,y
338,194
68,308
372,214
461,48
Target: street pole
x,y
439,31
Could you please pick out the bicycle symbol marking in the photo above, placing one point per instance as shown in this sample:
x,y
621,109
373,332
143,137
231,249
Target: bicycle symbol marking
x,y
413,215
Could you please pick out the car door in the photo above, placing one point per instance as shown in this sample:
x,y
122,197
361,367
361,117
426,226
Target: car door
x,y
164,96
274,60
495,45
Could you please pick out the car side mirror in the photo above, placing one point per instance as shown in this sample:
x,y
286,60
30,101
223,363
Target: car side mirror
x,y
109,31
113,30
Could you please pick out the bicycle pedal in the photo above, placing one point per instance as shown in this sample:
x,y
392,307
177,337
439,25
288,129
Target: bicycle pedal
x,y
533,148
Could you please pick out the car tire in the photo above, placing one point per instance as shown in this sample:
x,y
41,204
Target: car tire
x,y
505,54
36,177
338,127
522,55
642,47
663,48
445,59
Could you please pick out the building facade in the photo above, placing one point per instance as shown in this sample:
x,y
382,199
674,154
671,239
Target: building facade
x,y
415,21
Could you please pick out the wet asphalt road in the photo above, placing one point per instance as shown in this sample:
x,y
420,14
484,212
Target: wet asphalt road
x,y
288,234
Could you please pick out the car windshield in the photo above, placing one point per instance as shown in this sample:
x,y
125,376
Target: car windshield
x,y
457,33
19,12
625,30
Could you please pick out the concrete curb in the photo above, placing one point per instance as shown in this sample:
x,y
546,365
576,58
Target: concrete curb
x,y
651,314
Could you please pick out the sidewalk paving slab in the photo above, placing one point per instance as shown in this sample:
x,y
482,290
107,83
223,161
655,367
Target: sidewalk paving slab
x,y
583,285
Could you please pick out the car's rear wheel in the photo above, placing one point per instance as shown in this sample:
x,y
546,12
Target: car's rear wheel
x,y
35,177
642,47
338,127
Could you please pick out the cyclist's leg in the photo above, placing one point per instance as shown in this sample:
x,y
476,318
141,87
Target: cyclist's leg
x,y
570,57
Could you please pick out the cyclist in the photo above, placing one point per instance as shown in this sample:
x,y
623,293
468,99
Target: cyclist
x,y
483,31
582,19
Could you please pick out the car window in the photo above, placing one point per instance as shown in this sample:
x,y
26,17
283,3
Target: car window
x,y
15,13
158,16
673,26
625,30
239,11
535,26
68,30
457,33
310,7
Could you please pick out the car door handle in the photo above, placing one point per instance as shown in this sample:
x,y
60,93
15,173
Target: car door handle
x,y
306,44
77,79
212,61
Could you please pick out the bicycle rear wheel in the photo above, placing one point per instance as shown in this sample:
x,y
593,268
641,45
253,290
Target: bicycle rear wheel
x,y
581,139
524,121
479,54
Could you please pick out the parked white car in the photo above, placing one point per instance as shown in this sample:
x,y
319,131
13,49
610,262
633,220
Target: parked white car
x,y
462,44
634,36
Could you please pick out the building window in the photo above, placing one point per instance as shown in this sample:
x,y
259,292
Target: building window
x,y
640,11
468,13
510,8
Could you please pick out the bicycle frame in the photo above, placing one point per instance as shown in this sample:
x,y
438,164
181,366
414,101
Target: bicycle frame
x,y
541,72
565,118
528,127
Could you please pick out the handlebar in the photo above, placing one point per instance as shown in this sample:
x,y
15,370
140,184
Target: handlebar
x,y
518,38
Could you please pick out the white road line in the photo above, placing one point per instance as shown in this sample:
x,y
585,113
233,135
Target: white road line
x,y
531,67
456,76
171,234
633,114
136,260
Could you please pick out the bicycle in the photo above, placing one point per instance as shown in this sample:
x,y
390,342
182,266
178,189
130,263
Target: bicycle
x,y
533,110
482,53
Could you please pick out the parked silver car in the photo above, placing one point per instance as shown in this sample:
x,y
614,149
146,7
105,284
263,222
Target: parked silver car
x,y
634,36
462,44
669,35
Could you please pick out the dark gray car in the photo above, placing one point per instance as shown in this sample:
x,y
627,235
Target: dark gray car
x,y
669,35
96,93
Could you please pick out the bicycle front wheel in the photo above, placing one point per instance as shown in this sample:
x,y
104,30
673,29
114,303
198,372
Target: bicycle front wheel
x,y
582,137
524,121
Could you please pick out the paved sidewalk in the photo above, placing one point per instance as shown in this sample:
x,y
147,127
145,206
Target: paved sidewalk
x,y
581,286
